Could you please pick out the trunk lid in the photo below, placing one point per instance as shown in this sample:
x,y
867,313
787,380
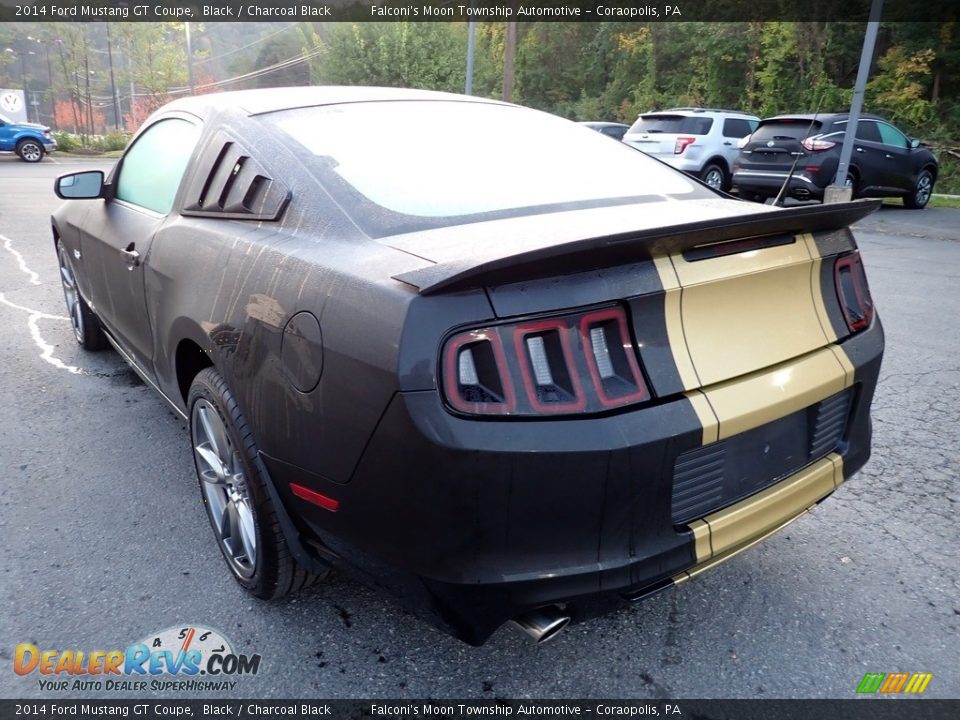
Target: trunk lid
x,y
738,283
775,144
656,133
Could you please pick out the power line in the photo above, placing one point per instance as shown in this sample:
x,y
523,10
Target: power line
x,y
255,42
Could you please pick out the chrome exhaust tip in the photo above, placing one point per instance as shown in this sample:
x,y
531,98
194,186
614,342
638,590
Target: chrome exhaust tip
x,y
542,624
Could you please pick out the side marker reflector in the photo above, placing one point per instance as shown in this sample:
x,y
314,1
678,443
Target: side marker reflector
x,y
327,503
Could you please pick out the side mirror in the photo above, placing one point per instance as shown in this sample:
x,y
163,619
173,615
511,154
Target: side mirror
x,y
914,143
80,186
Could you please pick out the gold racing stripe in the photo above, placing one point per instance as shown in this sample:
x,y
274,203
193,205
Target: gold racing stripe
x,y
728,532
708,419
748,402
749,310
816,288
674,321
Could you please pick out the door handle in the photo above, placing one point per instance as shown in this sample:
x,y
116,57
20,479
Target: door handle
x,y
860,149
133,257
728,143
888,156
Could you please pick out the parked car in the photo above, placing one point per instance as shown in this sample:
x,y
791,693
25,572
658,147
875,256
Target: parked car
x,y
498,380
610,129
885,162
699,141
28,140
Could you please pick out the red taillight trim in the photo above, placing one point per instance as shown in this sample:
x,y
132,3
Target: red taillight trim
x,y
451,384
520,332
860,289
682,143
617,314
312,496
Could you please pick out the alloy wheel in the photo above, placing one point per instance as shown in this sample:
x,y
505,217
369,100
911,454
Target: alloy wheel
x,y
714,179
71,295
225,491
31,152
924,188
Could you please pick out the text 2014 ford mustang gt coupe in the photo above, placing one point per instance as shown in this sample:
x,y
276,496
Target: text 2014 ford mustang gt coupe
x,y
477,354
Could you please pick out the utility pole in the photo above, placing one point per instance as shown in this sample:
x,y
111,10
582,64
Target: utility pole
x,y
510,50
86,77
189,60
839,191
73,91
113,84
471,32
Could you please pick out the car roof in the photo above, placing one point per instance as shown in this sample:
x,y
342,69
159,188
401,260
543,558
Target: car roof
x,y
693,111
602,123
266,100
823,117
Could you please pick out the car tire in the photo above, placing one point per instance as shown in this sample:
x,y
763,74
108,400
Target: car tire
x,y
716,177
922,190
235,494
30,151
852,183
86,325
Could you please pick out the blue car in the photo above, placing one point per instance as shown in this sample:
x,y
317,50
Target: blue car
x,y
28,140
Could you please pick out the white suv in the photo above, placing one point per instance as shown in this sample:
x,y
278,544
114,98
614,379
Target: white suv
x,y
699,141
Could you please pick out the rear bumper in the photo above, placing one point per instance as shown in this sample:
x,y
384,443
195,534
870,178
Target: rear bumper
x,y
769,182
474,522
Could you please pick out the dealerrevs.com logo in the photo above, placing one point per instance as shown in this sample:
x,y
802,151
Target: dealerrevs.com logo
x,y
186,658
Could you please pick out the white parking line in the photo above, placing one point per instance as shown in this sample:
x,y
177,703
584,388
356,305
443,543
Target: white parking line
x,y
8,246
34,316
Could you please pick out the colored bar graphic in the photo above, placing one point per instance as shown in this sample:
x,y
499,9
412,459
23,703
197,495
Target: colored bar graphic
x,y
892,683
871,682
918,683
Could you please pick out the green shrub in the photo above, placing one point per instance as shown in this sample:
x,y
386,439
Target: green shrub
x,y
66,142
948,181
115,140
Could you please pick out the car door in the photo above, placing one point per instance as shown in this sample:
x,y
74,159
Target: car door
x,y
6,135
119,230
868,156
898,168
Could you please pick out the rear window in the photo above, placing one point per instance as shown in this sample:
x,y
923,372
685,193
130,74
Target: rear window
x,y
410,165
738,127
785,130
680,124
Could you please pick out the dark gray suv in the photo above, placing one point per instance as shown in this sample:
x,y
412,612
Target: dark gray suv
x,y
885,161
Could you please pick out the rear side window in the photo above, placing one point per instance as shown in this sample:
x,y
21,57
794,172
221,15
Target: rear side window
x,y
153,167
785,130
867,130
738,127
681,124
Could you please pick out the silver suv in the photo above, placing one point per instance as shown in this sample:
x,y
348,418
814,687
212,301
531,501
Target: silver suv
x,y
699,141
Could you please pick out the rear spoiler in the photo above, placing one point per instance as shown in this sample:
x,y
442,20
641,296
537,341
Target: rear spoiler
x,y
599,252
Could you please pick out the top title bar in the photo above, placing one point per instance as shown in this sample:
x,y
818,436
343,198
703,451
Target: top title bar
x,y
479,10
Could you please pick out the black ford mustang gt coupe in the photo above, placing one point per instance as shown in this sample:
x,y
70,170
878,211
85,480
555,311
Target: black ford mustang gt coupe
x,y
415,341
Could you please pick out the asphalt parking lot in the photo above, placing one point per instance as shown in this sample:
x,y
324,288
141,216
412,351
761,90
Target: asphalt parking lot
x,y
105,540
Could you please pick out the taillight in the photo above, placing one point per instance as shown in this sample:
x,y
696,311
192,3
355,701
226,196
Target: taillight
x,y
547,367
475,374
813,144
611,358
570,364
681,144
853,291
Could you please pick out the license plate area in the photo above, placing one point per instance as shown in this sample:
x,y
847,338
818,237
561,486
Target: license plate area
x,y
717,475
